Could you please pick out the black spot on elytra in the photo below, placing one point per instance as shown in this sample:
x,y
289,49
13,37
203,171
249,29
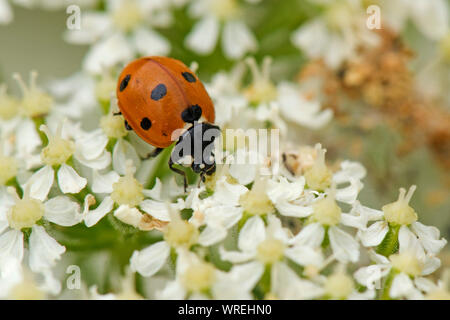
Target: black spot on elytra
x,y
146,123
124,82
127,126
159,92
188,76
192,113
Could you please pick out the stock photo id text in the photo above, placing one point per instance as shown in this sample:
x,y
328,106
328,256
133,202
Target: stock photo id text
x,y
224,158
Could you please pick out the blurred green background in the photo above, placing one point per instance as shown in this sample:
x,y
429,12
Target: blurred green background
x,y
34,41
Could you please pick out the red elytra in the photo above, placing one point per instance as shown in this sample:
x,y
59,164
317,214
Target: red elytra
x,y
158,95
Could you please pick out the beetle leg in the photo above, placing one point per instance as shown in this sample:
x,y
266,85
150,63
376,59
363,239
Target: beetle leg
x,y
202,179
179,171
127,126
154,153
117,113
211,170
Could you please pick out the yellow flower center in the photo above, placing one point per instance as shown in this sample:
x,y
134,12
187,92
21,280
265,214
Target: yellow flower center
x,y
271,296
339,286
127,15
256,200
26,290
311,271
399,212
129,295
368,3
224,9
407,263
445,48
58,150
113,126
198,277
338,14
128,190
326,211
8,169
440,294
318,176
34,102
181,233
262,89
105,87
25,213
9,106
270,251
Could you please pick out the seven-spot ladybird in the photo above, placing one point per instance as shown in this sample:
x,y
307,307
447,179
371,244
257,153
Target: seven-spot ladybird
x,y
163,101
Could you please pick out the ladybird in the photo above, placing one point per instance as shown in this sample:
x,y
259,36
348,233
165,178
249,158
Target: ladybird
x,y
164,102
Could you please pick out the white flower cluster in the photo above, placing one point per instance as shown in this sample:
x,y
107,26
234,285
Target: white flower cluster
x,y
297,231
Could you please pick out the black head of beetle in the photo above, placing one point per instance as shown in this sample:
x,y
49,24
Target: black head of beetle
x,y
195,148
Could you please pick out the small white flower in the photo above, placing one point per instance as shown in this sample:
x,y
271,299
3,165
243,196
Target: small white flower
x,y
371,276
90,149
129,194
287,197
439,291
286,100
56,153
268,245
286,285
125,29
91,217
407,266
224,90
178,234
74,96
295,107
339,285
151,259
360,215
43,250
217,217
18,131
18,283
237,39
108,53
336,35
10,276
400,213
35,102
194,277
319,177
325,218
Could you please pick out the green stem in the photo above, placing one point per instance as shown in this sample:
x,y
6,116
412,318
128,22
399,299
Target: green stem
x,y
105,107
390,243
38,121
14,183
387,285
326,238
160,168
264,285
